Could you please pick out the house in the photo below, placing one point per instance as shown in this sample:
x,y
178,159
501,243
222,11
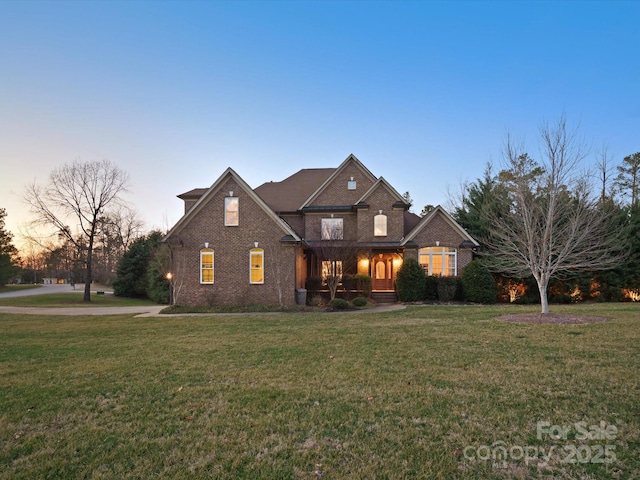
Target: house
x,y
240,245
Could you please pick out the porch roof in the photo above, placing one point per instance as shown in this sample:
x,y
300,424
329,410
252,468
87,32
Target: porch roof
x,y
391,245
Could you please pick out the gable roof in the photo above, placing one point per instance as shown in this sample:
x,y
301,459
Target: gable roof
x,y
288,194
382,182
448,218
192,194
229,172
350,159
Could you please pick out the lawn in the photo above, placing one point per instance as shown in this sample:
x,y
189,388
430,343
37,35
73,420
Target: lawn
x,y
73,299
425,392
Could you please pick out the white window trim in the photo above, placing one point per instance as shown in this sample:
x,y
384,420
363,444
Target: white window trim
x,y
227,223
444,255
380,229
257,252
213,261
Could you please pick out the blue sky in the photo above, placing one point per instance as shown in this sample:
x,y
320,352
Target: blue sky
x,y
423,93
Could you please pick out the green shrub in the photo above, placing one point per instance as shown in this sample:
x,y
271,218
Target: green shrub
x,y
348,283
363,284
359,302
431,288
447,288
339,304
313,285
478,284
410,282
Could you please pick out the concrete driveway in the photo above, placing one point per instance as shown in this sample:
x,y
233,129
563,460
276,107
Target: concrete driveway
x,y
150,310
42,290
145,311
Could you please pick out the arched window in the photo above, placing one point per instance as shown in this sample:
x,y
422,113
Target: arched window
x,y
206,265
256,265
439,261
380,225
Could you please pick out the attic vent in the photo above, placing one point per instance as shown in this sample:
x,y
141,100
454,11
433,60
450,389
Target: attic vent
x,y
351,184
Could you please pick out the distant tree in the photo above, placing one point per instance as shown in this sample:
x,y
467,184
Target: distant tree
x,y
407,198
132,277
79,193
553,225
604,173
426,209
628,179
482,200
116,230
8,253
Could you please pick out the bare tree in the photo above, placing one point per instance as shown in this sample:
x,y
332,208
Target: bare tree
x,y
604,173
79,194
553,225
116,231
337,257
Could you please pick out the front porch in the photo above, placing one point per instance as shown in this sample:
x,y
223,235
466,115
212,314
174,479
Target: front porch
x,y
380,264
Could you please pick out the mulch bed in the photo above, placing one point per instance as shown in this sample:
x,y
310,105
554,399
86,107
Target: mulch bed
x,y
552,318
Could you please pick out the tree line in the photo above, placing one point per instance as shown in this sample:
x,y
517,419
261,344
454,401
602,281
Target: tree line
x,y
540,221
555,219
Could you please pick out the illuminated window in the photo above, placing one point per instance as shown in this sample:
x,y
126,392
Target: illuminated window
x,y
331,229
380,225
231,211
439,261
206,265
256,265
331,268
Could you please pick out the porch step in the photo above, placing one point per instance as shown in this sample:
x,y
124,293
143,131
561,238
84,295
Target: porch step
x,y
384,297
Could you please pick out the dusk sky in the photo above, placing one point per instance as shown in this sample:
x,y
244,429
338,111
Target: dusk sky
x,y
423,93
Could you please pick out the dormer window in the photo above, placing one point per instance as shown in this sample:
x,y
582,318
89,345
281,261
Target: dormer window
x,y
351,184
380,225
231,213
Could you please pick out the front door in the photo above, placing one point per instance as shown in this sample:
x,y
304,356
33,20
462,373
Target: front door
x,y
382,272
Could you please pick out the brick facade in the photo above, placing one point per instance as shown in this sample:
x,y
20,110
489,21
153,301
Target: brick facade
x,y
286,240
231,247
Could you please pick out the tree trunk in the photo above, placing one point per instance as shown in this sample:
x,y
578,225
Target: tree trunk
x,y
87,282
89,276
332,283
544,300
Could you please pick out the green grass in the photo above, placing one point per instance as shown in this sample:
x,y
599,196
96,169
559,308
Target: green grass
x,y
414,393
71,299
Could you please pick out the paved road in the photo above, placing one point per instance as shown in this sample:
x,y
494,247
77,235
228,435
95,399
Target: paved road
x,y
42,290
145,311
46,289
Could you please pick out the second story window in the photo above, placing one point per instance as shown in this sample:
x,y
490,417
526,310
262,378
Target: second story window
x,y
231,214
331,229
380,225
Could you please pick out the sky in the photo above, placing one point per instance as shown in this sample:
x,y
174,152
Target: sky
x,y
423,93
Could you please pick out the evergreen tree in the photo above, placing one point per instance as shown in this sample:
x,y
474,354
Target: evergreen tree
x,y
411,281
132,275
8,252
628,179
478,284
